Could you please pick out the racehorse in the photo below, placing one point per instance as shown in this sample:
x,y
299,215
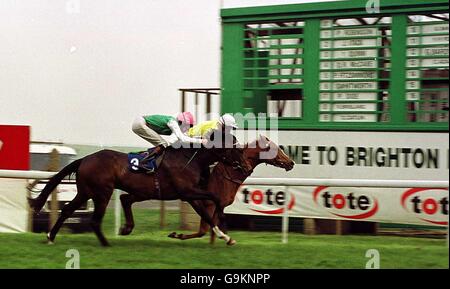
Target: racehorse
x,y
98,174
224,181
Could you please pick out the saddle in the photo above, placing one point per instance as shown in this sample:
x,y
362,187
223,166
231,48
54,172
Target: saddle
x,y
144,161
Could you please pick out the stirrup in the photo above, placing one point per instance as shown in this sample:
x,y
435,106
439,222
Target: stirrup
x,y
147,170
148,157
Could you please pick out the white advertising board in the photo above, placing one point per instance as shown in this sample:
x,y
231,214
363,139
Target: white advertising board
x,y
354,155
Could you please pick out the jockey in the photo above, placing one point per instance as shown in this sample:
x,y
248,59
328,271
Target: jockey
x,y
151,127
225,124
207,130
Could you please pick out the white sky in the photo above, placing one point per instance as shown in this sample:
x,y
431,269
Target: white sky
x,y
82,76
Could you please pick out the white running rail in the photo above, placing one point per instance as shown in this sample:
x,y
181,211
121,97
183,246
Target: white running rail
x,y
16,174
285,182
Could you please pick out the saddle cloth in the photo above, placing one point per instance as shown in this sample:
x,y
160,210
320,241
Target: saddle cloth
x,y
136,165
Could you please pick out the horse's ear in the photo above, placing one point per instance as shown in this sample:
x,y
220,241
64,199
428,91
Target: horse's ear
x,y
263,141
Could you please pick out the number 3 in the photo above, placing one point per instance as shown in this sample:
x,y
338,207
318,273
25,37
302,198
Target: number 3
x,y
135,163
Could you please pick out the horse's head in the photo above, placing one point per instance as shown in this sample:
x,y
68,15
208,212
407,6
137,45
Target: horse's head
x,y
263,150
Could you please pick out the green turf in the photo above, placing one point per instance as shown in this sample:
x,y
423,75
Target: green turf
x,y
148,247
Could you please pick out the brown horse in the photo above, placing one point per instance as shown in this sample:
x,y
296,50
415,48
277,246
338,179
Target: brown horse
x,y
98,174
224,181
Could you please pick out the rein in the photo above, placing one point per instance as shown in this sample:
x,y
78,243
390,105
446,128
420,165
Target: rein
x,y
190,160
229,178
234,164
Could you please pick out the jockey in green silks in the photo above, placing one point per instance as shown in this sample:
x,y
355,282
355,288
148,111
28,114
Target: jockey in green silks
x,y
151,127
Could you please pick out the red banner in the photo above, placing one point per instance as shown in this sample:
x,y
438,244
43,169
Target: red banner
x,y
14,147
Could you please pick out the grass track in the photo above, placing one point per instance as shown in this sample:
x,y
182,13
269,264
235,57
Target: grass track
x,y
148,247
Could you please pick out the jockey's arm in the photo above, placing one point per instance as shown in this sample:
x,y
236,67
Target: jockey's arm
x,y
173,125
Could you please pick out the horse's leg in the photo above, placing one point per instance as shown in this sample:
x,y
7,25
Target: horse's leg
x,y
219,218
198,194
214,226
66,212
202,230
204,227
127,201
99,211
212,236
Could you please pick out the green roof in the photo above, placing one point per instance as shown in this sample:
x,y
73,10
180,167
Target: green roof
x,y
321,9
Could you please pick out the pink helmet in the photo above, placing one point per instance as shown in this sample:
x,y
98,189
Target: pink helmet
x,y
186,117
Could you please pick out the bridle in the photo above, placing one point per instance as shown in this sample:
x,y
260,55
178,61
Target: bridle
x,y
236,165
190,159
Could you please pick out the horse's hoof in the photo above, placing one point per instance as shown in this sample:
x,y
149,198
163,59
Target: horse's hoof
x,y
125,231
231,242
50,241
174,235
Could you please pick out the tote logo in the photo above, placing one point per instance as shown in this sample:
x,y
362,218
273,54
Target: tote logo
x,y
345,205
429,205
262,201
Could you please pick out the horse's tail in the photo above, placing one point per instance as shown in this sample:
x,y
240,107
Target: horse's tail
x,y
37,203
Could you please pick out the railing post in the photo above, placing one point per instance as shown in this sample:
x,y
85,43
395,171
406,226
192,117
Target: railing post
x,y
116,212
285,220
208,104
447,234
183,100
162,214
54,206
196,107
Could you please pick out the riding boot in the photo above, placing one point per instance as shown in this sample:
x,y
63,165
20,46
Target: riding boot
x,y
156,151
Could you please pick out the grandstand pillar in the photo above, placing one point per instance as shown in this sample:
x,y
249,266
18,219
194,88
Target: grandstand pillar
x,y
53,166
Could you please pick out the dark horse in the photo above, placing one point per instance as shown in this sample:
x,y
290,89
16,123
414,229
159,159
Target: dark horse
x,y
98,174
224,181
